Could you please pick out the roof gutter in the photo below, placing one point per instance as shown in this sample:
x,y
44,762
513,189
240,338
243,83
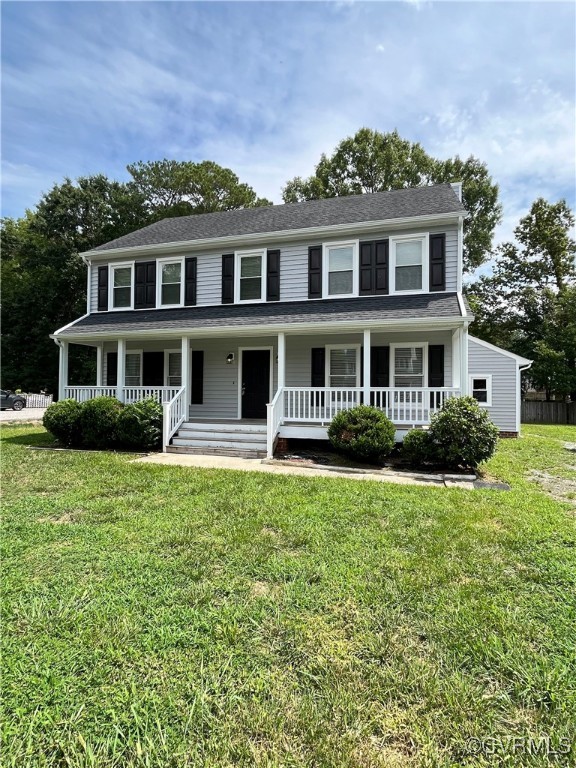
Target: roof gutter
x,y
333,231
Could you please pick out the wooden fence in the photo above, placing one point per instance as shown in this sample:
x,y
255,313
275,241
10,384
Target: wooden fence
x,y
542,412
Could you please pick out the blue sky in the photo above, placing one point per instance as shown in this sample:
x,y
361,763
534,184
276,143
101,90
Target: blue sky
x,y
264,88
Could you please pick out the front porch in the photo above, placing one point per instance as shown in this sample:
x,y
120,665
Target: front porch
x,y
291,384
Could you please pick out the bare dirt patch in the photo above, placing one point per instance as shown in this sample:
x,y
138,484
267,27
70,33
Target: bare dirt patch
x,y
560,488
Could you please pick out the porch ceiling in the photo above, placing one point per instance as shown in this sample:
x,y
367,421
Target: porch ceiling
x,y
301,316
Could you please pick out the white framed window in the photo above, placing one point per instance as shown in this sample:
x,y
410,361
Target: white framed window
x,y
173,368
340,269
133,368
480,388
170,283
409,365
409,264
343,365
250,276
120,288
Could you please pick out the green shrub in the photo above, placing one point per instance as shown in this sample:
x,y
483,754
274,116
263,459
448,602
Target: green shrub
x,y
363,432
140,425
99,422
62,419
462,433
418,448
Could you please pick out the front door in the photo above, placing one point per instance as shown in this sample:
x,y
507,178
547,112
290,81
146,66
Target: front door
x,y
153,369
255,383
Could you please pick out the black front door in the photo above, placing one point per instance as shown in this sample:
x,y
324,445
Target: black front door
x,y
153,369
255,383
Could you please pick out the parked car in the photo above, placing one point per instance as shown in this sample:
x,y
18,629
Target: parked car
x,y
9,399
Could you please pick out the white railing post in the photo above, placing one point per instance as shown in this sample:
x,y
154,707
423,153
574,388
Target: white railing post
x,y
165,426
121,370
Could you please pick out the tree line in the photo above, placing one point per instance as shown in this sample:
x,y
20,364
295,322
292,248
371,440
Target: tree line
x,y
526,302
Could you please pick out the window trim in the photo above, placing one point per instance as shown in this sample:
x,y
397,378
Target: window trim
x,y
159,264
238,256
355,268
167,353
329,348
415,345
394,239
111,268
488,377
140,353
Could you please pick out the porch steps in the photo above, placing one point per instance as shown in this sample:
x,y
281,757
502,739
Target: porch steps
x,y
221,439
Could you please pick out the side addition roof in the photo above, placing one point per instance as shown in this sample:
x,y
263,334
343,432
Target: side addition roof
x,y
355,209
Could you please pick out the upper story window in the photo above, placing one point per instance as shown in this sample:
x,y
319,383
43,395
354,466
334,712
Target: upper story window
x,y
250,275
340,269
409,264
169,283
121,286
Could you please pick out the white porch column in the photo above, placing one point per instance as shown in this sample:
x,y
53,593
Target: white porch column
x,y
99,358
63,370
186,371
456,367
367,372
281,360
464,360
121,380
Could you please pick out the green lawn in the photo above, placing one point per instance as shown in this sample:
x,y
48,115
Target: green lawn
x,y
160,616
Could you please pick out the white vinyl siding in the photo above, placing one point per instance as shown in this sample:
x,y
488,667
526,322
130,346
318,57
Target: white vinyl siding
x,y
483,362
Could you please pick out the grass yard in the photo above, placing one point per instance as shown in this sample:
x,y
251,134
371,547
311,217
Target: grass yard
x,y
160,616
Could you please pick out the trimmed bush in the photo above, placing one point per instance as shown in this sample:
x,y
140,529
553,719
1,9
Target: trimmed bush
x,y
62,419
363,432
463,433
99,422
140,425
418,448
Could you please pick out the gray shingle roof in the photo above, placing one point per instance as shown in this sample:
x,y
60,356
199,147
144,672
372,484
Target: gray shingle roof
x,y
370,309
399,203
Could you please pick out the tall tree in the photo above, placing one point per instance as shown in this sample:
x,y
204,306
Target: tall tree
x,y
44,278
173,188
528,304
371,161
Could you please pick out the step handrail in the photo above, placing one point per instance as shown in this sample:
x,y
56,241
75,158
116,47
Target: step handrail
x,y
274,415
174,415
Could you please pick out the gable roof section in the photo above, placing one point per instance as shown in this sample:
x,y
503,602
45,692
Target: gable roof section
x,y
355,209
519,359
366,311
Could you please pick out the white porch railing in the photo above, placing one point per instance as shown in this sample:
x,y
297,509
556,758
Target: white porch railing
x,y
275,410
128,394
403,406
174,415
87,393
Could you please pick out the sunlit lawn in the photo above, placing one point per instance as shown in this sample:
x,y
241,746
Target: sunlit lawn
x,y
161,616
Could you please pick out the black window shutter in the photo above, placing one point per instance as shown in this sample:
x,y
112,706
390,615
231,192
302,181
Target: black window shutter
x,y
273,276
374,268
145,285
380,367
112,369
381,267
102,289
436,365
437,262
366,269
315,273
228,278
190,278
197,396
318,367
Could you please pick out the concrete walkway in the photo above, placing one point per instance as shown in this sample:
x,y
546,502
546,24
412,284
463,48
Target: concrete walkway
x,y
26,414
283,468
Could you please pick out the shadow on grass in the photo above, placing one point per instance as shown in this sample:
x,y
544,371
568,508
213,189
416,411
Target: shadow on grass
x,y
41,438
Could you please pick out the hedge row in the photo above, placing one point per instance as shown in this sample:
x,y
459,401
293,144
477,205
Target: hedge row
x,y
105,423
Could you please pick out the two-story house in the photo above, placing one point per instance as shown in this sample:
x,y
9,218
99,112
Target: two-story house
x,y
260,324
